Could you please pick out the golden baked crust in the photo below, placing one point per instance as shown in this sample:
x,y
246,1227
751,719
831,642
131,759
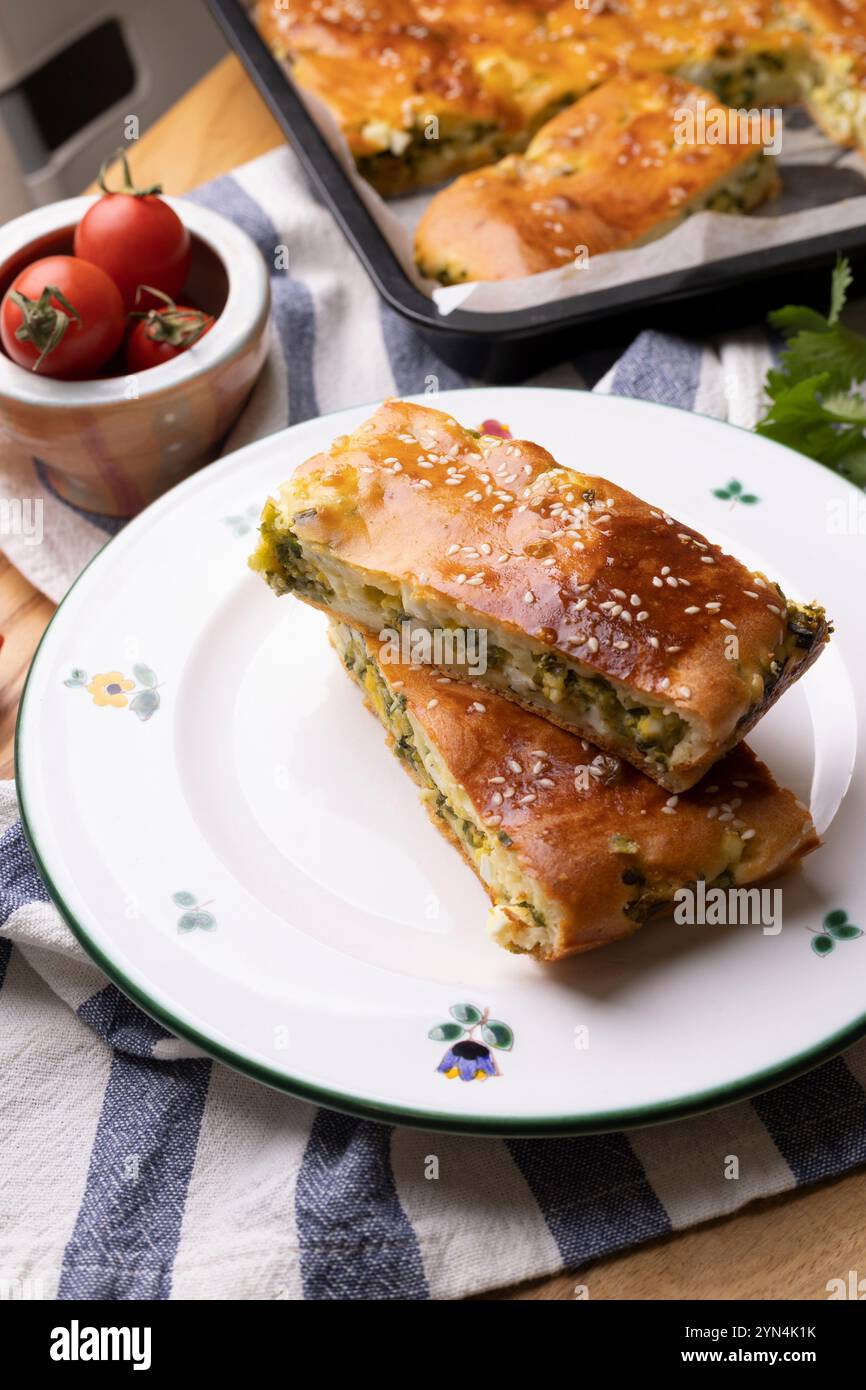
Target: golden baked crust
x,y
417,98
491,73
619,167
601,612
575,849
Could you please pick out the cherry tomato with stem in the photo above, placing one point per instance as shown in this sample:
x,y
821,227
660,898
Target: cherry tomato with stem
x,y
162,334
135,237
62,317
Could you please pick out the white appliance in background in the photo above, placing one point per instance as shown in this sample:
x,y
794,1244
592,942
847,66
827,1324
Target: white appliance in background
x,y
73,71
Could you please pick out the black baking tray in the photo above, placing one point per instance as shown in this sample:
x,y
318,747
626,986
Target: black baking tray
x,y
505,347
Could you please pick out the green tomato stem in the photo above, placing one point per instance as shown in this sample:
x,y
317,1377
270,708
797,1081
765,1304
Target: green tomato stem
x,y
128,186
42,323
178,327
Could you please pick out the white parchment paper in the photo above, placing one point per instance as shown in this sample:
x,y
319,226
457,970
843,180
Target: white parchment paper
x,y
823,191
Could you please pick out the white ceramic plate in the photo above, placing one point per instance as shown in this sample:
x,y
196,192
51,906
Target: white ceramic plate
x,y
250,864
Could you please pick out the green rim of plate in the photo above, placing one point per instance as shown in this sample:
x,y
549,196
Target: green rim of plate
x,y
600,1122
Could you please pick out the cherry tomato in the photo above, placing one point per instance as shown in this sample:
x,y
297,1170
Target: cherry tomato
x,y
135,238
162,334
62,317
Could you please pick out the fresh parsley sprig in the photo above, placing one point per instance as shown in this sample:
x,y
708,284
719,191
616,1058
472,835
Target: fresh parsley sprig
x,y
814,408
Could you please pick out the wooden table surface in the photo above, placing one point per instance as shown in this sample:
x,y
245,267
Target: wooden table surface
x,y
786,1247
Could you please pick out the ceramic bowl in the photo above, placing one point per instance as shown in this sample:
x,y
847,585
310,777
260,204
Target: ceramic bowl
x,y
113,445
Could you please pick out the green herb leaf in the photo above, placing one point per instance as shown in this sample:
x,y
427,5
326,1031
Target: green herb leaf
x,y
839,287
846,408
800,419
813,407
794,318
836,350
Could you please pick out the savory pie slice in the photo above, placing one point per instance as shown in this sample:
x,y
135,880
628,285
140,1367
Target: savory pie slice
x,y
420,98
750,54
621,167
597,610
575,848
835,90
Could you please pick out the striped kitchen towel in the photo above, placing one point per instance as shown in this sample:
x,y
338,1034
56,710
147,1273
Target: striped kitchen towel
x,y
133,1167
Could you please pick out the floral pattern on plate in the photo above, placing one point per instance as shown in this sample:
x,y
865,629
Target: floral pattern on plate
x,y
835,927
734,493
242,523
194,916
466,1057
114,689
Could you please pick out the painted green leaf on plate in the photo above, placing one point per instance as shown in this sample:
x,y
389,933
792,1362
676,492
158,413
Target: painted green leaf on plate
x,y
845,932
837,918
734,493
184,899
145,704
466,1014
203,921
822,945
446,1032
497,1034
144,675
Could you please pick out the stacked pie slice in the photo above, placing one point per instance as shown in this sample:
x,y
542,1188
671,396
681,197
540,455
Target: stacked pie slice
x,y
581,669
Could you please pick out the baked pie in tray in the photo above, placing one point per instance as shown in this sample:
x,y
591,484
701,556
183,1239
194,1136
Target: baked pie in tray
x,y
425,91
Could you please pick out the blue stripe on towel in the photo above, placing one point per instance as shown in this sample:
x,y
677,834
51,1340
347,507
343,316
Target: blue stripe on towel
x,y
660,368
414,365
291,302
19,882
356,1241
592,1192
818,1122
118,1022
128,1225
